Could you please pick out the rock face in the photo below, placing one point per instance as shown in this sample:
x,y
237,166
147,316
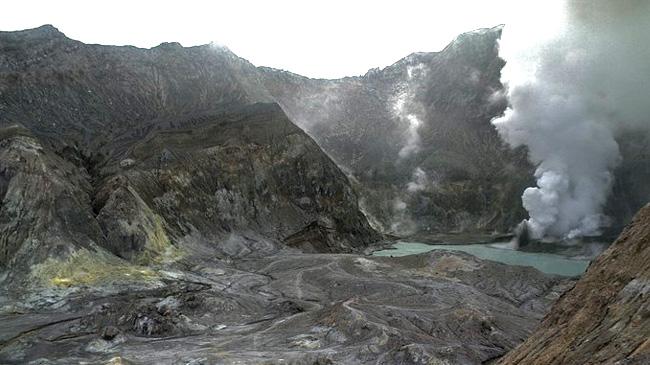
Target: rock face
x,y
417,137
630,190
46,209
414,138
140,153
604,319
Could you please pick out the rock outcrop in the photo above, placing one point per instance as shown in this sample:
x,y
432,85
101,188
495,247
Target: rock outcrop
x,y
605,318
46,207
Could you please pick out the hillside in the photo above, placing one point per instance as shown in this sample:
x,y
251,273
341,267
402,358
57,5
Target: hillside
x,y
604,318
416,137
143,153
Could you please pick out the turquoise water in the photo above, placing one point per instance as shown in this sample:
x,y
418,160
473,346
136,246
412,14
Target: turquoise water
x,y
544,262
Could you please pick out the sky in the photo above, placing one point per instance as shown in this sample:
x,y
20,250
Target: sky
x,y
325,39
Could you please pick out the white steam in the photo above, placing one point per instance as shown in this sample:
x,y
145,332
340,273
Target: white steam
x,y
570,90
402,223
406,110
419,181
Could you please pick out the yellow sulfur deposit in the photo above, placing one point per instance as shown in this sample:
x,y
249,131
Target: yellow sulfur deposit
x,y
85,267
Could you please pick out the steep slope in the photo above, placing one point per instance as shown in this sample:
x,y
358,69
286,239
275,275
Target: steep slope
x,y
631,189
91,94
46,210
142,152
605,318
247,170
417,136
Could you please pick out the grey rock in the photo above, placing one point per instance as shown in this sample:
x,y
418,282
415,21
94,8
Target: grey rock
x,y
109,333
129,152
439,307
472,180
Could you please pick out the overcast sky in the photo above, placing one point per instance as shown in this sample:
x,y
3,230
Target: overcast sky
x,y
327,39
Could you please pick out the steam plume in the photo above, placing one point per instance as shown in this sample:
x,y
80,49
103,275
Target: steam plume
x,y
406,110
419,182
569,94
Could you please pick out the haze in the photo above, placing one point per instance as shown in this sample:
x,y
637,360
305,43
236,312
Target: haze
x,y
325,39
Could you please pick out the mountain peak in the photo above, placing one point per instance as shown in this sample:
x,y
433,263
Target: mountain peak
x,y
44,31
47,28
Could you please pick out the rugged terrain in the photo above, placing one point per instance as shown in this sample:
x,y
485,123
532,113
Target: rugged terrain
x,y
414,138
604,319
159,206
169,205
141,153
441,308
417,137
